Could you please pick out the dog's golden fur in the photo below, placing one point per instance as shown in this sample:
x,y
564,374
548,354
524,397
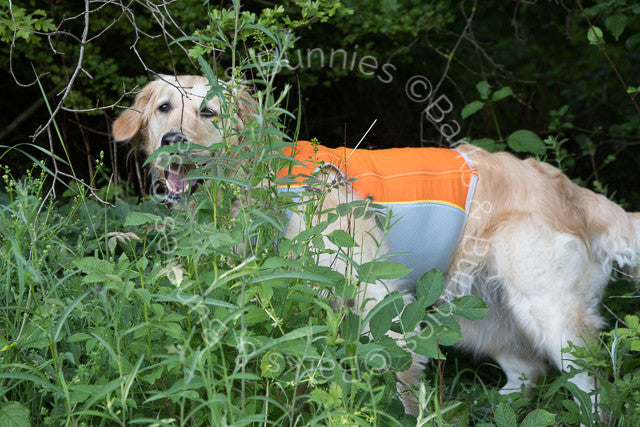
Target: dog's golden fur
x,y
536,247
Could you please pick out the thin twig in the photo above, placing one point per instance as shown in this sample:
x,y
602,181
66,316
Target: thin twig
x,y
362,139
455,47
606,54
614,315
67,90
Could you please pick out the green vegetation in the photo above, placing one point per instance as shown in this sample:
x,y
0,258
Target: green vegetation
x,y
115,310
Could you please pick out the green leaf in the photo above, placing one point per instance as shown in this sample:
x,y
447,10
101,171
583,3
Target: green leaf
x,y
471,108
103,390
572,415
215,88
412,314
350,327
13,414
632,321
174,330
81,392
343,209
580,396
504,416
400,359
91,265
381,322
425,346
305,332
430,287
383,313
525,141
457,414
483,89
78,337
180,388
446,335
426,342
346,208
67,312
341,238
143,295
33,336
220,240
140,218
596,9
469,306
37,378
255,315
371,272
272,364
632,41
595,36
538,418
140,330
616,24
302,275
373,355
502,93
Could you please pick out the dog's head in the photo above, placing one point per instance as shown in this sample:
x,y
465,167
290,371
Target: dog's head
x,y
170,110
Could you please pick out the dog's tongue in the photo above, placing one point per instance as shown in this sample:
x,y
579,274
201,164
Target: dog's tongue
x,y
174,176
173,181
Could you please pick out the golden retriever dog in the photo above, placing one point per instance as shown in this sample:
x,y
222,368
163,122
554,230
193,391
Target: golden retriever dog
x,y
532,244
170,110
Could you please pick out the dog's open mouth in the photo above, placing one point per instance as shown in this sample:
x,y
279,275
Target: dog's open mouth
x,y
174,177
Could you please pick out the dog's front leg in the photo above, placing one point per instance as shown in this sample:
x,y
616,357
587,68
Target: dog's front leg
x,y
370,247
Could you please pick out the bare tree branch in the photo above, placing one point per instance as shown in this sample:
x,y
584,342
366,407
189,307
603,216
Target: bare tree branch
x,y
85,32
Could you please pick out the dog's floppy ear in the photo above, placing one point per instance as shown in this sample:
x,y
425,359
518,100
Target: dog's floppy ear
x,y
128,124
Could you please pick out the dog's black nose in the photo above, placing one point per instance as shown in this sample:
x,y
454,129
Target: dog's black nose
x,y
172,138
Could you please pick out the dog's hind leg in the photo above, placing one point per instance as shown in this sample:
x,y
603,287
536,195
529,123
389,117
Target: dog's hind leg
x,y
522,371
499,336
552,286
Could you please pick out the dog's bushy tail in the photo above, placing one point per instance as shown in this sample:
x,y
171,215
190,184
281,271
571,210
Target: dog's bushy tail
x,y
613,232
509,186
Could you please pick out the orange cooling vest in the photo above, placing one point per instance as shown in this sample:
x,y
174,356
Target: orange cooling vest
x,y
428,190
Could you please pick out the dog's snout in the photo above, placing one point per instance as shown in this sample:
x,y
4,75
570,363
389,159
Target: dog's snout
x,y
172,138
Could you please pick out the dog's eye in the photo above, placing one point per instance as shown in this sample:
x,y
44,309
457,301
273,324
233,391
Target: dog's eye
x,y
164,107
207,113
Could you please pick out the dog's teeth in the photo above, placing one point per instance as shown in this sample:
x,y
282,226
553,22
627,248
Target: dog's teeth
x,y
173,197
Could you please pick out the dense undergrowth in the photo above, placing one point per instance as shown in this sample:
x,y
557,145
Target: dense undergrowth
x,y
137,314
